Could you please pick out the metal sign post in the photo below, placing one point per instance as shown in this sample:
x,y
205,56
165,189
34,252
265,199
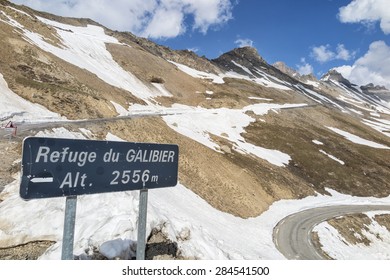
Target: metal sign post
x,y
143,210
69,225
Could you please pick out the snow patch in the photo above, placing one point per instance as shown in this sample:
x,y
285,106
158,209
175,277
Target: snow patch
x,y
358,140
112,137
61,132
266,80
15,108
85,47
259,98
313,83
374,114
227,123
317,142
199,74
380,125
332,157
317,97
161,88
338,248
119,109
243,68
356,111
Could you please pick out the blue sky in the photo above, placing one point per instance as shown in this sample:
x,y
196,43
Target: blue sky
x,y
308,35
281,30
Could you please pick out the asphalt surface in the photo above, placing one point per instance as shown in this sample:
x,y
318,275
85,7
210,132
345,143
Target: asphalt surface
x,y
292,235
23,128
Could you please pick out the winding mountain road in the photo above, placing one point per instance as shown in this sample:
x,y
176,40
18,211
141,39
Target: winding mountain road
x,y
25,127
292,235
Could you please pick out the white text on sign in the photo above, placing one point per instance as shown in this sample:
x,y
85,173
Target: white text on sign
x,y
46,155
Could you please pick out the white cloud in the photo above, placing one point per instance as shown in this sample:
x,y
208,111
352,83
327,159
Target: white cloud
x,y
343,53
193,49
367,11
324,53
165,24
244,43
151,18
373,67
304,68
345,70
208,12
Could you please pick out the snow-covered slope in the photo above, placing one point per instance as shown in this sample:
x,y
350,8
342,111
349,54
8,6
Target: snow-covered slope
x,y
256,144
18,109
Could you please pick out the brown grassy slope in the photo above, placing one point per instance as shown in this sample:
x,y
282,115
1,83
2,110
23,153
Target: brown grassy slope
x,y
366,171
353,227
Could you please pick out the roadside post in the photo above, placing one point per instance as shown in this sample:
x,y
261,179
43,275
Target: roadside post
x,y
12,128
69,226
143,210
56,167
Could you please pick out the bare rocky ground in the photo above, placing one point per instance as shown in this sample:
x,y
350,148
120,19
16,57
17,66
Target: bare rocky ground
x,y
9,165
10,154
351,228
158,247
317,244
29,251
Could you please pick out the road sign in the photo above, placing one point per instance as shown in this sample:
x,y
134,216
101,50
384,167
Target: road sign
x,y
53,167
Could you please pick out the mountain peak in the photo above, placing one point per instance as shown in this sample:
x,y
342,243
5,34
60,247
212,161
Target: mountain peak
x,y
244,53
373,87
239,60
286,69
247,51
334,75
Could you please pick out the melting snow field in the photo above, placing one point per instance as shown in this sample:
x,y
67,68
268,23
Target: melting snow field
x,y
217,79
85,47
227,123
266,79
338,248
358,140
19,109
380,125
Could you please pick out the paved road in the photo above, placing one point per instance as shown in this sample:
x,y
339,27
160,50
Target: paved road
x,y
292,235
25,127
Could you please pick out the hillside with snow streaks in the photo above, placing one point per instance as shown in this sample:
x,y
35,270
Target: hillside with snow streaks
x,y
256,144
358,140
85,47
374,234
229,124
18,109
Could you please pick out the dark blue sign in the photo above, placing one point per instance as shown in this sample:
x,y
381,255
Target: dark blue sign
x,y
53,167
